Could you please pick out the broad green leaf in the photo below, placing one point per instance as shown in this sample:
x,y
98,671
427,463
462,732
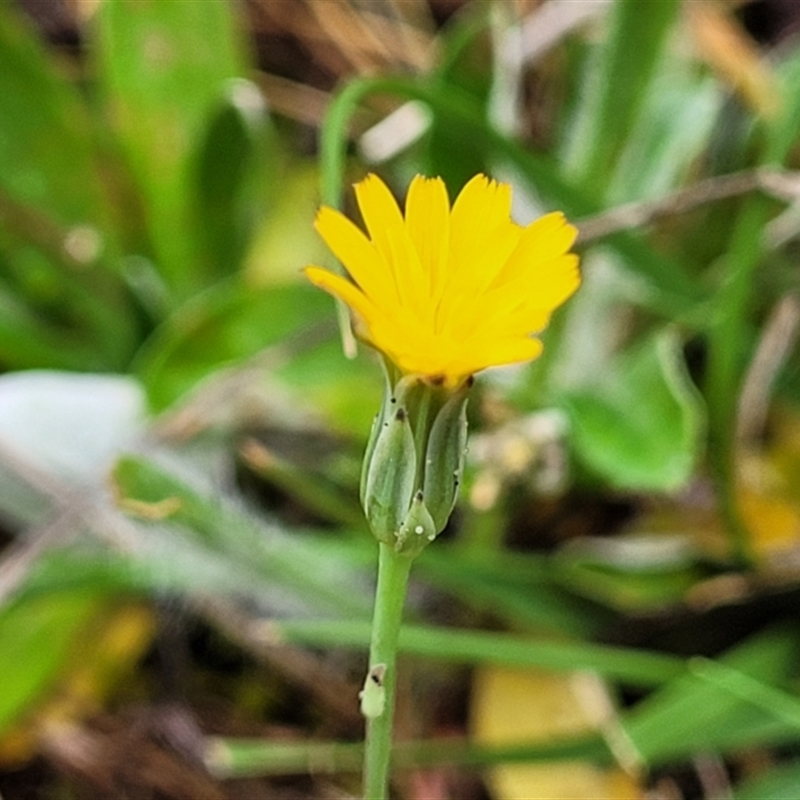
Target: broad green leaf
x,y
346,391
46,158
285,239
234,176
228,323
61,652
36,639
641,427
164,67
234,321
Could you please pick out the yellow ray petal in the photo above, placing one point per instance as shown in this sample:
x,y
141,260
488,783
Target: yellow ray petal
x,y
358,255
461,299
448,293
409,277
482,207
428,226
482,204
545,288
543,240
378,207
348,293
523,321
479,354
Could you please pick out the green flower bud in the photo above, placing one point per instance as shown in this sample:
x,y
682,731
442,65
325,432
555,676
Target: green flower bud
x,y
414,461
444,458
388,479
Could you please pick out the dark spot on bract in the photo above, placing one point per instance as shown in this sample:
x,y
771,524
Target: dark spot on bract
x,y
401,415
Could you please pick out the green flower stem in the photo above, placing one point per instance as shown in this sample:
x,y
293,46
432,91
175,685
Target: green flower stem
x,y
390,595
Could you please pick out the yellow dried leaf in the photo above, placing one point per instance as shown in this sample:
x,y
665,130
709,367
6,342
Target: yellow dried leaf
x,y
514,706
101,656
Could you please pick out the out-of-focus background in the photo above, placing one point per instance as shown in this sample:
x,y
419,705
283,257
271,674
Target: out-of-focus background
x,y
185,576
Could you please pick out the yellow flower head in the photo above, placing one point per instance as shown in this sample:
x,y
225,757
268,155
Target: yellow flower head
x,y
446,292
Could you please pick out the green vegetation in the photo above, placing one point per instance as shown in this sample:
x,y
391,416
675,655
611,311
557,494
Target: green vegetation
x,y
181,428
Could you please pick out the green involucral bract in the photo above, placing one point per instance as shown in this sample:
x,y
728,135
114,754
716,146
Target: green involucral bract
x,y
414,460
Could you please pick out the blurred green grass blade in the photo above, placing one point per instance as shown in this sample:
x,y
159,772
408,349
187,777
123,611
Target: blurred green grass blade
x,y
265,554
529,599
778,783
52,199
228,757
36,639
776,702
632,667
691,714
465,68
314,492
163,67
642,427
782,130
637,591
58,317
221,326
27,342
46,156
730,334
671,135
618,78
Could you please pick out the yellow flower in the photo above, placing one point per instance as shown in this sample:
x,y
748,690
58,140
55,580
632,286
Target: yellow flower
x,y
443,292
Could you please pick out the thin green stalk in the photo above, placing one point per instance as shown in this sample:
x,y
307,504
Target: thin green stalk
x,y
229,758
728,337
779,704
379,689
626,665
727,356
